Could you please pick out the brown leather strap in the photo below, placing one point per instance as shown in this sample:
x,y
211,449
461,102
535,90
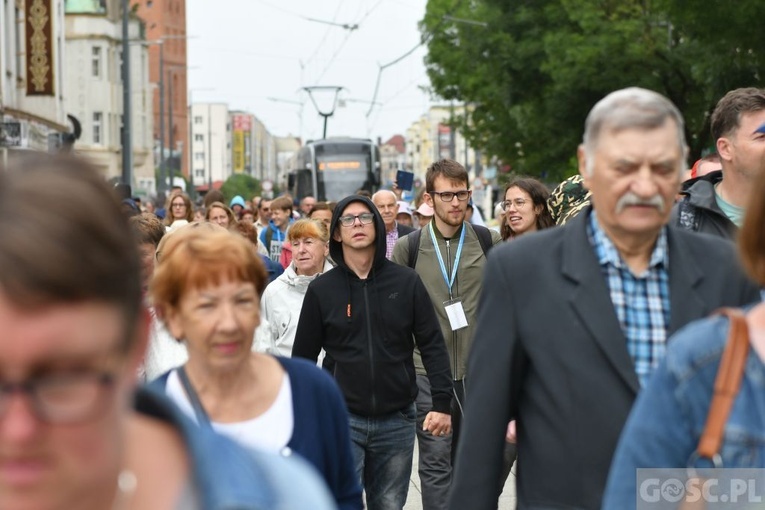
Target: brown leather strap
x,y
727,382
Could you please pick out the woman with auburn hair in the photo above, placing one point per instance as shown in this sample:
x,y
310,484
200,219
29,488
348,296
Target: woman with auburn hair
x,y
525,208
283,299
207,285
665,424
178,210
220,214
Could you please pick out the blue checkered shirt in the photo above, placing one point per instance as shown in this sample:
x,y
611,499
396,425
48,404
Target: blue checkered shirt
x,y
641,301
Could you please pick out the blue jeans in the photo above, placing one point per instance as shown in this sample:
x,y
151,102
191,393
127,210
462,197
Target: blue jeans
x,y
382,452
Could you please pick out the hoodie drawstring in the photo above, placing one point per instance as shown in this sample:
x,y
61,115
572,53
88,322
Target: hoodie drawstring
x,y
348,308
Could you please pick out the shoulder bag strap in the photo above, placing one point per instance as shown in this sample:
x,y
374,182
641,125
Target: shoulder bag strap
x,y
727,384
199,410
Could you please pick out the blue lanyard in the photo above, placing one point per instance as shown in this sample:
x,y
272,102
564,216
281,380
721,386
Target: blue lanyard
x,y
449,282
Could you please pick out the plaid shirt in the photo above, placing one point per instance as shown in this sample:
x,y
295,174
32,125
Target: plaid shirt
x,y
390,241
641,301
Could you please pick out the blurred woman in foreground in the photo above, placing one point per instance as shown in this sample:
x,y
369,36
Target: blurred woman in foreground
x,y
207,285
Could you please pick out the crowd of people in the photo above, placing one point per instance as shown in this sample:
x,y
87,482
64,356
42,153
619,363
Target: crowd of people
x,y
256,353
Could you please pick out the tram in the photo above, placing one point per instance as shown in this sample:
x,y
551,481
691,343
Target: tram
x,y
333,168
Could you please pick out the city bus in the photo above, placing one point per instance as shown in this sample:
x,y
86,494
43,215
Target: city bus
x,y
333,168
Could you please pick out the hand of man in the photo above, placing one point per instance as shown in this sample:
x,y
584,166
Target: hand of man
x,y
438,424
510,436
396,190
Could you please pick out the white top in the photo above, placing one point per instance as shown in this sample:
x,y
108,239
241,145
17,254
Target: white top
x,y
280,308
271,431
164,352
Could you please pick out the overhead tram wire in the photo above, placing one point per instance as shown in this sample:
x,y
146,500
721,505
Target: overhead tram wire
x,y
342,44
346,26
373,123
326,34
423,40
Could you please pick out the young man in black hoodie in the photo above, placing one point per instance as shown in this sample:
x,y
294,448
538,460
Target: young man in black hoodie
x,y
362,313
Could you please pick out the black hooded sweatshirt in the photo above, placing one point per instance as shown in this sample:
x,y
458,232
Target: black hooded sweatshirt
x,y
369,328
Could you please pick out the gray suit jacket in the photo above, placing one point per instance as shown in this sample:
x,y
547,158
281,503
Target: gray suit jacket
x,y
549,352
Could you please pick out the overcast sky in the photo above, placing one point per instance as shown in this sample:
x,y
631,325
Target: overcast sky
x,y
251,50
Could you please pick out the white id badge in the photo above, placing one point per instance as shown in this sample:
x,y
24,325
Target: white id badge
x,y
456,314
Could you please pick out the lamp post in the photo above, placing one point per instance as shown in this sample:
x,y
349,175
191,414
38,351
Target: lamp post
x,y
161,83
162,181
171,132
127,141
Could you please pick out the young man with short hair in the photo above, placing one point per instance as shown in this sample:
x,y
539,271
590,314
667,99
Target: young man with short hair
x,y
274,235
450,259
368,314
715,203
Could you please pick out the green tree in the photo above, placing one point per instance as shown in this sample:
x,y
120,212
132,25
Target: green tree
x,y
240,184
535,68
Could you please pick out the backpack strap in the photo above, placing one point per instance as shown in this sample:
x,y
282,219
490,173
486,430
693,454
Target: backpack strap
x,y
414,246
483,233
484,237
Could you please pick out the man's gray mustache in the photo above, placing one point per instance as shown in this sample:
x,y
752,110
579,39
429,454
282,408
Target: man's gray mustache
x,y
630,198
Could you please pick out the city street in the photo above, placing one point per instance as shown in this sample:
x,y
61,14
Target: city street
x,y
414,500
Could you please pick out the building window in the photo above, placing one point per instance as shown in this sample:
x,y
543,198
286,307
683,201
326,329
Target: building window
x,y
199,156
199,138
97,118
96,61
197,119
199,172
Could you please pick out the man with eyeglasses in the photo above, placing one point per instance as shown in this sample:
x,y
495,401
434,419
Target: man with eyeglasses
x,y
367,314
450,260
74,433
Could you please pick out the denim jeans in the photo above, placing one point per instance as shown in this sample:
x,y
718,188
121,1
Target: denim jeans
x,y
382,451
435,466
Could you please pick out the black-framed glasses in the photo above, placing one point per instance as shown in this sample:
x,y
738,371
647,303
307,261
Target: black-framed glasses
x,y
365,219
61,398
519,203
448,196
